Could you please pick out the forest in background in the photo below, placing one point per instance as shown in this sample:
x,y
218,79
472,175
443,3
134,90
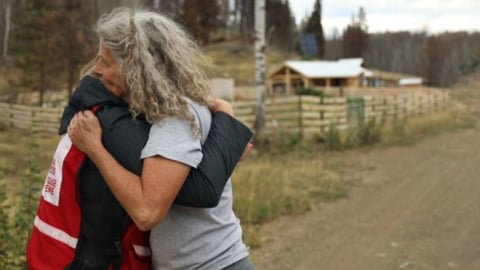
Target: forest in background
x,y
47,42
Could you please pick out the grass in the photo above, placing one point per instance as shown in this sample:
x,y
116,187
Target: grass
x,y
409,131
265,186
19,199
402,131
268,187
236,60
464,112
14,153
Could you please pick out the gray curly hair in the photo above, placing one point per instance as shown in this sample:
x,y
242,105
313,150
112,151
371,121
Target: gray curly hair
x,y
160,62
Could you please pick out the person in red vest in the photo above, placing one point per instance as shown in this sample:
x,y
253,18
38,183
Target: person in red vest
x,y
79,223
151,62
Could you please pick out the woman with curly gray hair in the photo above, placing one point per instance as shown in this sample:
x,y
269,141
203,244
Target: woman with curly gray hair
x,y
151,63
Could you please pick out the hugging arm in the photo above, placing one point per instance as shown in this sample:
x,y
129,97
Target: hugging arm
x,y
204,185
148,198
222,150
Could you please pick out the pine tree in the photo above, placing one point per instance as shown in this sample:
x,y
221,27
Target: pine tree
x,y
314,26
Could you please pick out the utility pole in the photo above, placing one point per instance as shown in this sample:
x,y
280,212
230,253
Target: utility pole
x,y
259,64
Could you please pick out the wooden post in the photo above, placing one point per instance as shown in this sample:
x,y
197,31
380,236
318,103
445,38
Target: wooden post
x,y
10,119
288,81
300,115
306,82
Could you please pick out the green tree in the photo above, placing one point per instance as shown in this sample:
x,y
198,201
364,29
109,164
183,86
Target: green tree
x,y
314,26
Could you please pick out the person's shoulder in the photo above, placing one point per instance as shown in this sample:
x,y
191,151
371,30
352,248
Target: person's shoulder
x,y
196,108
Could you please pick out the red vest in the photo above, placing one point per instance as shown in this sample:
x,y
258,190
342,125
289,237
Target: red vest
x,y
57,223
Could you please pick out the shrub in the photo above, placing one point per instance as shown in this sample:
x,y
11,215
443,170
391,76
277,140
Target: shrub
x,y
332,138
5,239
280,142
306,91
351,138
398,133
15,228
368,133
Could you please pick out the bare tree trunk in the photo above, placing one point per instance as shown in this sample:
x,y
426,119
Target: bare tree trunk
x,y
43,85
237,16
260,63
6,34
95,9
71,66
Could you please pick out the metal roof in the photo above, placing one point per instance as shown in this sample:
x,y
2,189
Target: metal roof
x,y
410,81
343,68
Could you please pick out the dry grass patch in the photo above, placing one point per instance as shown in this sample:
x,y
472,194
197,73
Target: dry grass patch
x,y
408,131
236,60
268,187
16,153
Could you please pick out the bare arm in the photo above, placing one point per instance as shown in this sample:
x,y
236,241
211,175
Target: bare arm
x,y
220,105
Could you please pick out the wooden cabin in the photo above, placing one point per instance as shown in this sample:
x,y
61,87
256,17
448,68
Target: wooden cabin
x,y
316,74
379,78
343,73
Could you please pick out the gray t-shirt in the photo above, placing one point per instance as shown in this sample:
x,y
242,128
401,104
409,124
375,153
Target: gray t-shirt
x,y
192,238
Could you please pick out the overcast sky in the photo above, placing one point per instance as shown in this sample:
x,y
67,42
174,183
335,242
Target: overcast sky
x,y
394,15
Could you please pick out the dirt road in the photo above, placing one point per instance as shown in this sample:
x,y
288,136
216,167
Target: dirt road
x,y
411,207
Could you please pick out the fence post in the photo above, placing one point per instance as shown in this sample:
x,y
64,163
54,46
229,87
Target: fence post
x,y
32,115
10,118
322,116
300,115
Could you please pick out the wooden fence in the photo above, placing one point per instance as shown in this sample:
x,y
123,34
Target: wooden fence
x,y
30,118
309,116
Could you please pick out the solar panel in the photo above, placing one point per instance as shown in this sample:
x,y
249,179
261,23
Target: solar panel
x,y
308,44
